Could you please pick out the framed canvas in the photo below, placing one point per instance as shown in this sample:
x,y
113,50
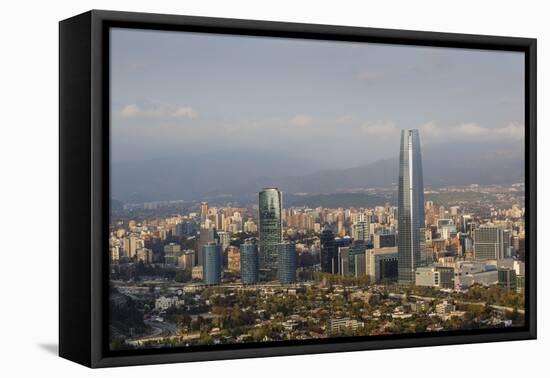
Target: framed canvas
x,y
235,188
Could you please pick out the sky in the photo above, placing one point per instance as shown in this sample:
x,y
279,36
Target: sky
x,y
331,104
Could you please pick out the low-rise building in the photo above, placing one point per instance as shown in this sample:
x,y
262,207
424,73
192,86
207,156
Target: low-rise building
x,y
427,276
381,264
197,272
444,308
164,303
335,326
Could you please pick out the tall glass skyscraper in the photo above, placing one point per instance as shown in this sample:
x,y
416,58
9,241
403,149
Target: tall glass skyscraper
x,y
329,252
212,263
287,263
410,213
207,235
249,262
271,228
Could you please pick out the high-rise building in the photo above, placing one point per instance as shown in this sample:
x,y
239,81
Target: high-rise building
x,y
357,259
329,253
343,260
488,243
204,211
508,251
521,248
250,227
145,255
114,254
249,262
224,239
410,206
207,235
287,263
271,228
172,252
466,224
130,246
212,263
360,231
187,259
233,259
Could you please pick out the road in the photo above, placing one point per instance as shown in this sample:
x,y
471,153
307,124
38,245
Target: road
x,y
160,331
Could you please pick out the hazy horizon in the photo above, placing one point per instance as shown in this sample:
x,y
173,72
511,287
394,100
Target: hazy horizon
x,y
285,107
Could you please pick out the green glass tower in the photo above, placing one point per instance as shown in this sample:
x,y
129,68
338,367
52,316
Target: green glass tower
x,y
271,229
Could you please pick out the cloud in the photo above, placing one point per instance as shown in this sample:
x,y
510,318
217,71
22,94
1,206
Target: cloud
x,y
433,133
157,111
346,118
514,130
186,112
130,111
379,129
301,120
430,131
472,130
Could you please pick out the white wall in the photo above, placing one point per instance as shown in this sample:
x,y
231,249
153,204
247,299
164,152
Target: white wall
x,y
28,152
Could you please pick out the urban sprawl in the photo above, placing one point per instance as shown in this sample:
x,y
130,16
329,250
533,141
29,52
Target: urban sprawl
x,y
447,258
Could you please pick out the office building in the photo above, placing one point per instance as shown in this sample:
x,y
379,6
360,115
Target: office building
x,y
224,239
489,243
329,252
172,252
343,260
381,264
356,263
384,240
207,235
360,231
187,259
446,277
249,261
270,228
144,255
204,211
507,278
287,263
212,263
410,206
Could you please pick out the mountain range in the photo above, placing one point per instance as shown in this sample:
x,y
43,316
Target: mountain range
x,y
240,175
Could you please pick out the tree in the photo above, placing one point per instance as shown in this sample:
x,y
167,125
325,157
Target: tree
x,y
183,275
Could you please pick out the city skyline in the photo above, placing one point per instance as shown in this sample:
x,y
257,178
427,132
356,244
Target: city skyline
x,y
465,252
221,231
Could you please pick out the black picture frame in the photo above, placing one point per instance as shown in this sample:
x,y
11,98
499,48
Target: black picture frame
x,y
84,184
